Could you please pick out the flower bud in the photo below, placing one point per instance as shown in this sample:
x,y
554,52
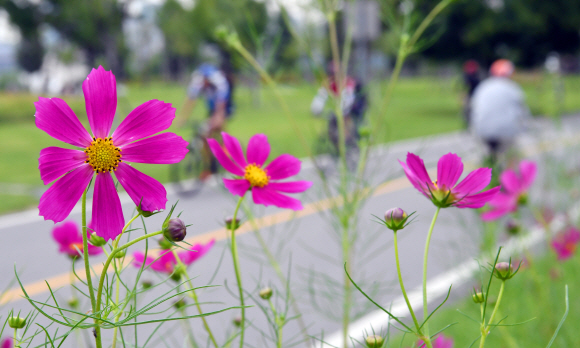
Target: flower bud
x,y
523,199
231,224
121,254
513,227
178,271
179,303
266,293
237,321
364,132
395,219
73,303
374,341
17,322
477,296
96,240
504,271
175,230
164,244
146,284
145,213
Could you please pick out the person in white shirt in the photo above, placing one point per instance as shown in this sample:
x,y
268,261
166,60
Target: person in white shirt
x,y
498,108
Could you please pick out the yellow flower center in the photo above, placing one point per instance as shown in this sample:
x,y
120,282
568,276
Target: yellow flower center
x,y
103,155
256,175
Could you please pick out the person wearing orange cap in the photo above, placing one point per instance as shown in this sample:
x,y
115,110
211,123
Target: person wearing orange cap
x,y
498,108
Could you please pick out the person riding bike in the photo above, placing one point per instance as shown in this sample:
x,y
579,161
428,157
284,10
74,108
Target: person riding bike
x,y
353,104
210,83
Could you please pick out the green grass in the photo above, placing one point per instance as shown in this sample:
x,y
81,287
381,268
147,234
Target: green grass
x,y
537,293
419,107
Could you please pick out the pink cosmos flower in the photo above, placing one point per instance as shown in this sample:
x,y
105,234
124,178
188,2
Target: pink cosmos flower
x,y
515,187
439,342
566,243
166,262
6,343
68,236
252,175
445,192
102,153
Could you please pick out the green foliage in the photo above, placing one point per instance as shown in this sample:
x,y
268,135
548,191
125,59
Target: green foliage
x,y
522,30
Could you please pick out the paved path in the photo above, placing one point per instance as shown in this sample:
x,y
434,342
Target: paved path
x,y
306,245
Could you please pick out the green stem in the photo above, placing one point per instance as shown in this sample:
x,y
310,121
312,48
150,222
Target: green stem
x,y
108,262
485,328
425,259
403,286
16,343
194,297
88,267
236,260
187,329
118,316
279,324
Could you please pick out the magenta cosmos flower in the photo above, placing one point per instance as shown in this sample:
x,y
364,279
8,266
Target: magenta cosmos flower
x,y
439,342
6,343
252,175
514,191
166,262
103,153
566,243
69,238
445,192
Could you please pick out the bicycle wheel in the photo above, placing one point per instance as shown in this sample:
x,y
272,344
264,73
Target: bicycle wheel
x,y
185,175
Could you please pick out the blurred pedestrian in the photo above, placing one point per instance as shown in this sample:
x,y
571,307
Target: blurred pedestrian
x,y
471,78
498,109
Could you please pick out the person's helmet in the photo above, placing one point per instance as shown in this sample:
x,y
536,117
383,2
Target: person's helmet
x,y
206,69
502,68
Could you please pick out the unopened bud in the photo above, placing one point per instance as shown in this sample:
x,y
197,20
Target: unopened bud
x,y
73,303
17,322
96,240
395,219
266,293
231,224
178,271
179,303
513,227
146,284
504,271
121,254
364,132
477,296
175,230
237,321
523,199
374,341
164,244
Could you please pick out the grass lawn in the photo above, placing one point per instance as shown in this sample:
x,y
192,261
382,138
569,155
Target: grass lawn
x,y
419,107
536,292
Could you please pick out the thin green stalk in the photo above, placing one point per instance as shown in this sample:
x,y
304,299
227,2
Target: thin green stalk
x,y
427,338
485,328
194,297
97,332
16,343
108,262
279,324
187,328
236,260
403,286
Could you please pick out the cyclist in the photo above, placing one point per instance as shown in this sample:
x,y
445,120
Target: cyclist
x,y
216,88
353,103
212,84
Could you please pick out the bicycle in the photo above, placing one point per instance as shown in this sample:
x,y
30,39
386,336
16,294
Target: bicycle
x,y
190,175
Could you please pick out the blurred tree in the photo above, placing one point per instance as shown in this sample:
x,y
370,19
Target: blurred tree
x,y
522,30
186,29
27,19
93,25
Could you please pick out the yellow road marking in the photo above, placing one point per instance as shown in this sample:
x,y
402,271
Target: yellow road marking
x,y
39,287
